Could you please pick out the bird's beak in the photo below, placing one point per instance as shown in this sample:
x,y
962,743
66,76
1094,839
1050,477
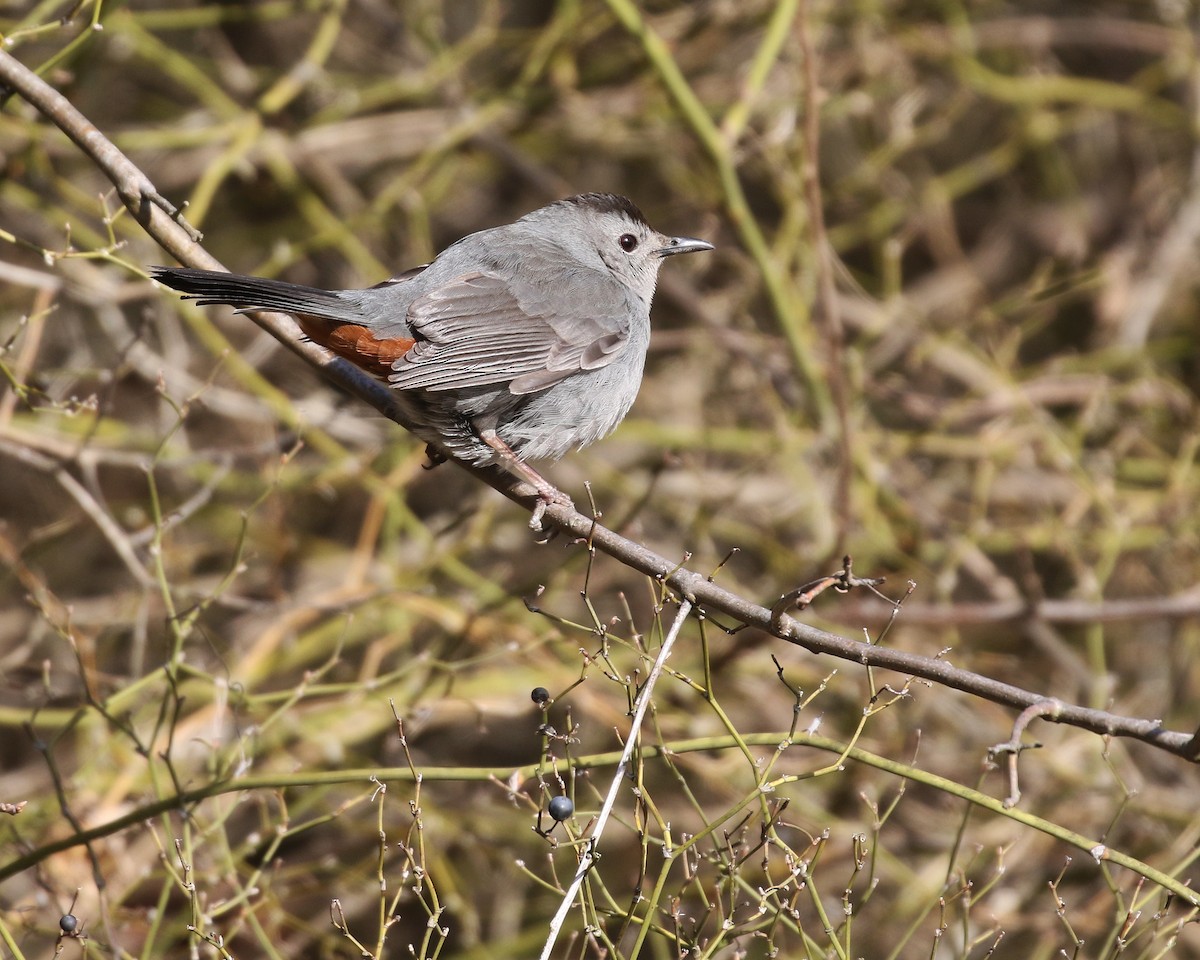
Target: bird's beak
x,y
683,245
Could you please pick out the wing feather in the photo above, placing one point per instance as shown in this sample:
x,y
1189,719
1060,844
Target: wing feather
x,y
481,329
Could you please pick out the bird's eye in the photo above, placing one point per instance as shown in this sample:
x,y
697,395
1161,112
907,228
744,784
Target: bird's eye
x,y
628,242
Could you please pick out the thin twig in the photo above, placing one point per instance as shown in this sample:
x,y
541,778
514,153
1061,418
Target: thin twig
x,y
827,308
645,695
1012,748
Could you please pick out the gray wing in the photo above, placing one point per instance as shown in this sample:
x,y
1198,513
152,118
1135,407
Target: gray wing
x,y
480,329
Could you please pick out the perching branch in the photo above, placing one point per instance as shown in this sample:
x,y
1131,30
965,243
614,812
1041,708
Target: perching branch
x,y
163,223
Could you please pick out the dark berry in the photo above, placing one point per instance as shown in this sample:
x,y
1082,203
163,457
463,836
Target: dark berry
x,y
561,808
67,923
539,695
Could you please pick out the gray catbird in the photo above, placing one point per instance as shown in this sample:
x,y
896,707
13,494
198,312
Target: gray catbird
x,y
516,343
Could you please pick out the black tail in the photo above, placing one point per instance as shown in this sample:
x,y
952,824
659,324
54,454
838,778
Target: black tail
x,y
255,293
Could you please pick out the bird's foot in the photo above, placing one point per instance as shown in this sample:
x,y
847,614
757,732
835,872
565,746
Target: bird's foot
x,y
547,496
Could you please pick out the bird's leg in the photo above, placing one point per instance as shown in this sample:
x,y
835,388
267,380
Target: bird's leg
x,y
547,492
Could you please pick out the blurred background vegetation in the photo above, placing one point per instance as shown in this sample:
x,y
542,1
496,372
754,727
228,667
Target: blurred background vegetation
x,y
976,370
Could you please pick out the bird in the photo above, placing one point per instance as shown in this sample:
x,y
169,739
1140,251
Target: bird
x,y
516,343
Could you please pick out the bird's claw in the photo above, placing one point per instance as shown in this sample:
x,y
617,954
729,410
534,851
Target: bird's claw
x,y
546,497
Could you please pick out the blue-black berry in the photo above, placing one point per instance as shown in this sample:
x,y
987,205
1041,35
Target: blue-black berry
x,y
67,923
561,808
539,695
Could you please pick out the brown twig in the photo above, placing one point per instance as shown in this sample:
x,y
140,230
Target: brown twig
x,y
826,308
1012,748
843,582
